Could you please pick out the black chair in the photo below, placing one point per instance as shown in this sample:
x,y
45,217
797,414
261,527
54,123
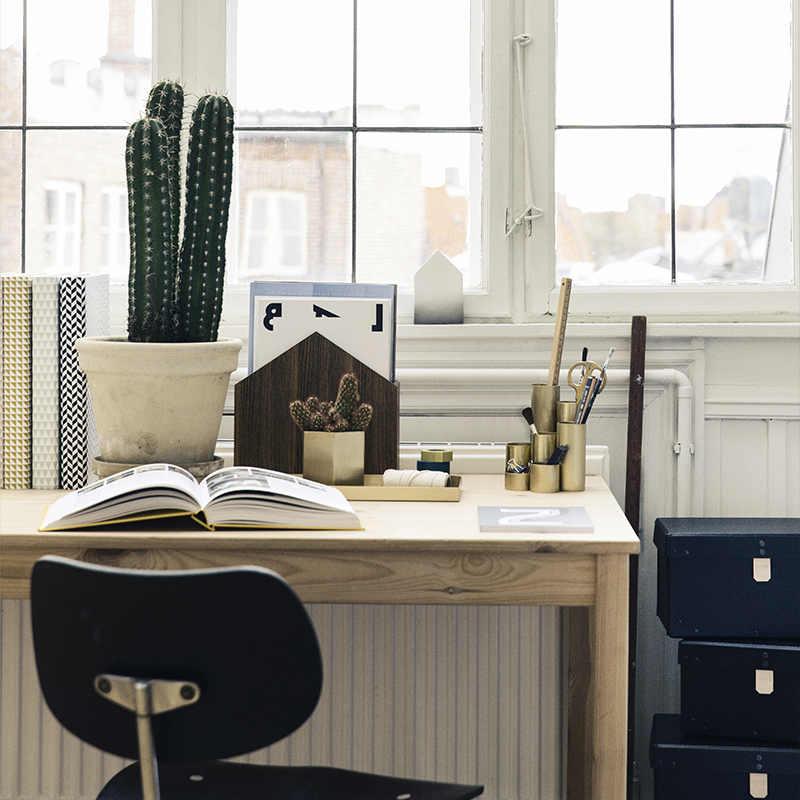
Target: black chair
x,y
181,668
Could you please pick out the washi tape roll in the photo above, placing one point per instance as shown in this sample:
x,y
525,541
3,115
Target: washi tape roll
x,y
435,466
436,455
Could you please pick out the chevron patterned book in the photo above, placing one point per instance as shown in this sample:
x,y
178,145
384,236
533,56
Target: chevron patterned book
x,y
44,401
83,311
16,381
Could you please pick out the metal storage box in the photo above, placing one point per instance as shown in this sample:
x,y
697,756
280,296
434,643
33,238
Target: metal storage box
x,y
745,690
693,768
728,578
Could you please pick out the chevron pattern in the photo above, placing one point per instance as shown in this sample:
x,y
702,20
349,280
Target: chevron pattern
x,y
44,349
73,392
16,382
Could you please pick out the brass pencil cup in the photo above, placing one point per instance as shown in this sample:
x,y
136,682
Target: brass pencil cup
x,y
566,410
518,456
543,446
543,404
545,478
573,467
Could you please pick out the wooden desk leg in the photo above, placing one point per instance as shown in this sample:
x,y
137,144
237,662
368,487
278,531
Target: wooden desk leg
x,y
580,703
598,688
610,723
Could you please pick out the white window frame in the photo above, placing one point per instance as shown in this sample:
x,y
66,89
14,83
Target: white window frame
x,y
191,40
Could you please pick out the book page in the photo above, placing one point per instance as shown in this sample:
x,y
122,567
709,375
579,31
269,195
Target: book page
x,y
149,487
272,486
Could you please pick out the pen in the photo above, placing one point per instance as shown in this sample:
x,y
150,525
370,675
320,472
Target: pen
x,y
594,390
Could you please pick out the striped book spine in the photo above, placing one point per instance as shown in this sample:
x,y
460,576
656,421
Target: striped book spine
x,y
98,323
16,382
83,311
44,360
2,394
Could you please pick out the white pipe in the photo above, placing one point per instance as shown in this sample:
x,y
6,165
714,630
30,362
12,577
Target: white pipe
x,y
683,447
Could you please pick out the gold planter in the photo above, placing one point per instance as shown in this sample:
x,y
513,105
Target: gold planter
x,y
334,458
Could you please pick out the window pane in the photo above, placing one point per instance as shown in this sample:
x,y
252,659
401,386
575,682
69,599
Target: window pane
x,y
613,209
89,160
725,183
414,196
420,57
11,62
314,166
88,61
613,62
294,67
732,61
10,200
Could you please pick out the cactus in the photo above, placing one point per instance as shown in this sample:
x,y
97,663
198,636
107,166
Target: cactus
x,y
165,102
151,285
347,398
209,170
362,416
187,283
344,414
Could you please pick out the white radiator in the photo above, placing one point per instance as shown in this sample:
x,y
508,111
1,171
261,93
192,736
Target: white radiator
x,y
468,694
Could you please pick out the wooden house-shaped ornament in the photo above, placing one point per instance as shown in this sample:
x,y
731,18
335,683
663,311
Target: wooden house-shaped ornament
x,y
265,434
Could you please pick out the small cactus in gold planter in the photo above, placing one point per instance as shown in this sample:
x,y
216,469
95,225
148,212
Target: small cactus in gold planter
x,y
346,413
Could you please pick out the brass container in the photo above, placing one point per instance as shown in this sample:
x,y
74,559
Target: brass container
x,y
334,458
566,410
543,405
518,456
573,467
543,446
545,478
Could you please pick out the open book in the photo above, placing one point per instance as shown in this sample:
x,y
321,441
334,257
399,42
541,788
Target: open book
x,y
239,497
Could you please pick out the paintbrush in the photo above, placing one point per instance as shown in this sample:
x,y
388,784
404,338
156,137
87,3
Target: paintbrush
x,y
528,414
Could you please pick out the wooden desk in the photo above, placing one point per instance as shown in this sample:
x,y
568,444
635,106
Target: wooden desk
x,y
420,553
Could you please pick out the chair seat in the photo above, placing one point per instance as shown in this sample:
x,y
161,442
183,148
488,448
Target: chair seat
x,y
218,780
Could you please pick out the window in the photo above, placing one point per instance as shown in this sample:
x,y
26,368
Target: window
x,y
275,236
69,90
62,225
115,233
673,171
376,119
401,128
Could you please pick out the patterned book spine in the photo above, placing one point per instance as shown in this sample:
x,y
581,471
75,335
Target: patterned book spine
x,y
2,393
84,301
73,425
17,381
44,359
97,324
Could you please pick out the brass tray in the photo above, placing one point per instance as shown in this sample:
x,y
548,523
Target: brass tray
x,y
373,489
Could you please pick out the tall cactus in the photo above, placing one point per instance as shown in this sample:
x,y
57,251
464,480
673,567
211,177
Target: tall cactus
x,y
201,263
165,102
176,294
151,285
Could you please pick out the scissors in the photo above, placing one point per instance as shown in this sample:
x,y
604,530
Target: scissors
x,y
588,370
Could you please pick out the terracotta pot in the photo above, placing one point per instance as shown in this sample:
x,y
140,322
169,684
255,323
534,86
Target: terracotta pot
x,y
157,402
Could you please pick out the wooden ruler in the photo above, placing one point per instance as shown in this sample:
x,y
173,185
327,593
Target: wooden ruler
x,y
558,335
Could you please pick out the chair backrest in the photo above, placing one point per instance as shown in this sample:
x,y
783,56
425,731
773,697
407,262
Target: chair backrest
x,y
240,633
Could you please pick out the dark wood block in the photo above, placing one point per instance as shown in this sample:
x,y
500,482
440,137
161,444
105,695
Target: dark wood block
x,y
265,434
